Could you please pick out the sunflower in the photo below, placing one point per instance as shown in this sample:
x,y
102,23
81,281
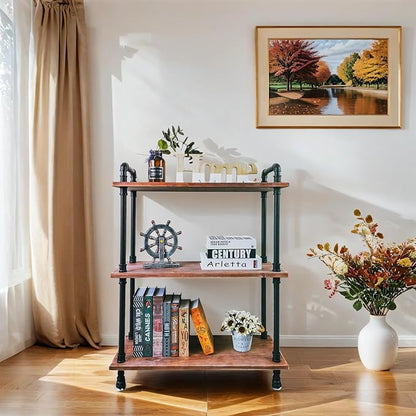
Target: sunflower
x,y
242,330
228,324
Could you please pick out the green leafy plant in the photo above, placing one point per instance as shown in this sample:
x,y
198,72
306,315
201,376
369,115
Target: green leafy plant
x,y
173,141
374,278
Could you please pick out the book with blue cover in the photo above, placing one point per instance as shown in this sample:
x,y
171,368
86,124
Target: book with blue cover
x,y
167,304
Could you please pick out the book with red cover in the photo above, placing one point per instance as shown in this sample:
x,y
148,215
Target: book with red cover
x,y
174,326
202,327
158,321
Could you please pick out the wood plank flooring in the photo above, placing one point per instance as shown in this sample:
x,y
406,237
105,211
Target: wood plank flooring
x,y
320,381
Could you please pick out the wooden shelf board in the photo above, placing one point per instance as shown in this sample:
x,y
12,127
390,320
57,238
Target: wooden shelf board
x,y
201,187
224,357
192,269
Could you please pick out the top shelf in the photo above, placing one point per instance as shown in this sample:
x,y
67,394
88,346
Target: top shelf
x,y
201,187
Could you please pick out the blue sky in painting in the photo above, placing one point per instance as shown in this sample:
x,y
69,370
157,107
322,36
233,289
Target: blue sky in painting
x,y
335,50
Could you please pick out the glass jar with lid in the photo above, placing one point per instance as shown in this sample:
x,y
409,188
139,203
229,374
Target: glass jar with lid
x,y
156,166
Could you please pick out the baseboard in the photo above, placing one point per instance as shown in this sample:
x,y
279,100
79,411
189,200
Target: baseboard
x,y
334,340
109,340
303,340
18,348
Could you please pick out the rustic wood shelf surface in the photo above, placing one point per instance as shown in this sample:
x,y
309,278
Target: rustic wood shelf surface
x,y
201,187
224,357
192,269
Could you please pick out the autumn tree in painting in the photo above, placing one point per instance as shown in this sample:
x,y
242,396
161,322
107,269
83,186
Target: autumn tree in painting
x,y
319,76
372,67
345,69
322,73
292,60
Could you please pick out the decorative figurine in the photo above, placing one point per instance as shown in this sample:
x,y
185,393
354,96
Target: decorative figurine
x,y
158,244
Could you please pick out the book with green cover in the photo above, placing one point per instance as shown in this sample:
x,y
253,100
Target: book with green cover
x,y
148,322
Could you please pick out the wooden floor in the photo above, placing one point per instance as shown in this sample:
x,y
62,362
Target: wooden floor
x,y
320,382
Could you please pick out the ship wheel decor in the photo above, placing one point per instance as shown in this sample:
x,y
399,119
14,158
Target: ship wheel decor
x,y
160,242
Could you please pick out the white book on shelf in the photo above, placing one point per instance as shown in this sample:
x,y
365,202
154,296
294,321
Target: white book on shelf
x,y
230,241
230,264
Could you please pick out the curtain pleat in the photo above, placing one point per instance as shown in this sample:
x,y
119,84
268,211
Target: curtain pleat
x,y
64,306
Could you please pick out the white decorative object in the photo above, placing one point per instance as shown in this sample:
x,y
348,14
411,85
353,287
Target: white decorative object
x,y
180,166
378,344
185,167
200,169
242,343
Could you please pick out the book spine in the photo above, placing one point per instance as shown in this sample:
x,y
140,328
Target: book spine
x,y
166,329
230,264
203,331
184,332
157,326
174,330
138,326
148,326
230,242
231,253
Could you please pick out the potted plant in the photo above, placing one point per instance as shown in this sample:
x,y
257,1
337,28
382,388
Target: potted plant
x,y
173,143
242,326
371,279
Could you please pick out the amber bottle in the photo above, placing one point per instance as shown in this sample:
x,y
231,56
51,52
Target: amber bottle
x,y
156,166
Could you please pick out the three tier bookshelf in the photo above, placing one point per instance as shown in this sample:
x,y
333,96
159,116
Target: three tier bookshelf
x,y
265,352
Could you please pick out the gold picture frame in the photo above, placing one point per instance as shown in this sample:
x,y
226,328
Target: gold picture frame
x,y
364,87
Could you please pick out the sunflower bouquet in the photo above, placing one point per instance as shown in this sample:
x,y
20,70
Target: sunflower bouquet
x,y
241,322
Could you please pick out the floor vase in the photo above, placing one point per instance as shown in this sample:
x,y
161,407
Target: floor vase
x,y
377,344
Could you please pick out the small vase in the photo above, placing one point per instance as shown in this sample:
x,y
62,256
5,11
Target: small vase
x,y
242,343
377,344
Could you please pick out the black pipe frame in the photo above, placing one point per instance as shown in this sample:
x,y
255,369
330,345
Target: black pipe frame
x,y
124,169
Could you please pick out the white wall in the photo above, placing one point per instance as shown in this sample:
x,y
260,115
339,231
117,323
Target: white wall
x,y
192,63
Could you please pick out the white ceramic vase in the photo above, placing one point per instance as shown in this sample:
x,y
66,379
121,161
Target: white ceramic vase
x,y
242,343
377,344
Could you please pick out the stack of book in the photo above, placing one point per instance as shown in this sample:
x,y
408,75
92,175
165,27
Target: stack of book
x,y
236,252
162,324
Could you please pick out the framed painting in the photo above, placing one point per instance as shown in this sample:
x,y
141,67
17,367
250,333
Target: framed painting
x,y
328,77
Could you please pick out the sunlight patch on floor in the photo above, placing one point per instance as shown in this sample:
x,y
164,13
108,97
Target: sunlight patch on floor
x,y
92,373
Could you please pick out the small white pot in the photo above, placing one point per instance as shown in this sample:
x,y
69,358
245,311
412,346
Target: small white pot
x,y
242,343
378,344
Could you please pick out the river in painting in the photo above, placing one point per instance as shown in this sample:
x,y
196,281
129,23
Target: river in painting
x,y
331,101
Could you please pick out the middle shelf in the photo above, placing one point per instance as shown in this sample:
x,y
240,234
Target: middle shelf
x,y
192,269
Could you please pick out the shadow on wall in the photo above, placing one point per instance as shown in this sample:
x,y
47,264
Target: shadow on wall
x,y
313,213
225,155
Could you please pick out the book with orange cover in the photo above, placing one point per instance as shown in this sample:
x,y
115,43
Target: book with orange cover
x,y
202,327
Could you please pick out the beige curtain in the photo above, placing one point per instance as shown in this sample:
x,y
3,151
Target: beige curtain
x,y
61,216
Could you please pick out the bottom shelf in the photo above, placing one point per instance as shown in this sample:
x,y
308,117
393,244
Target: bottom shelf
x,y
259,358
